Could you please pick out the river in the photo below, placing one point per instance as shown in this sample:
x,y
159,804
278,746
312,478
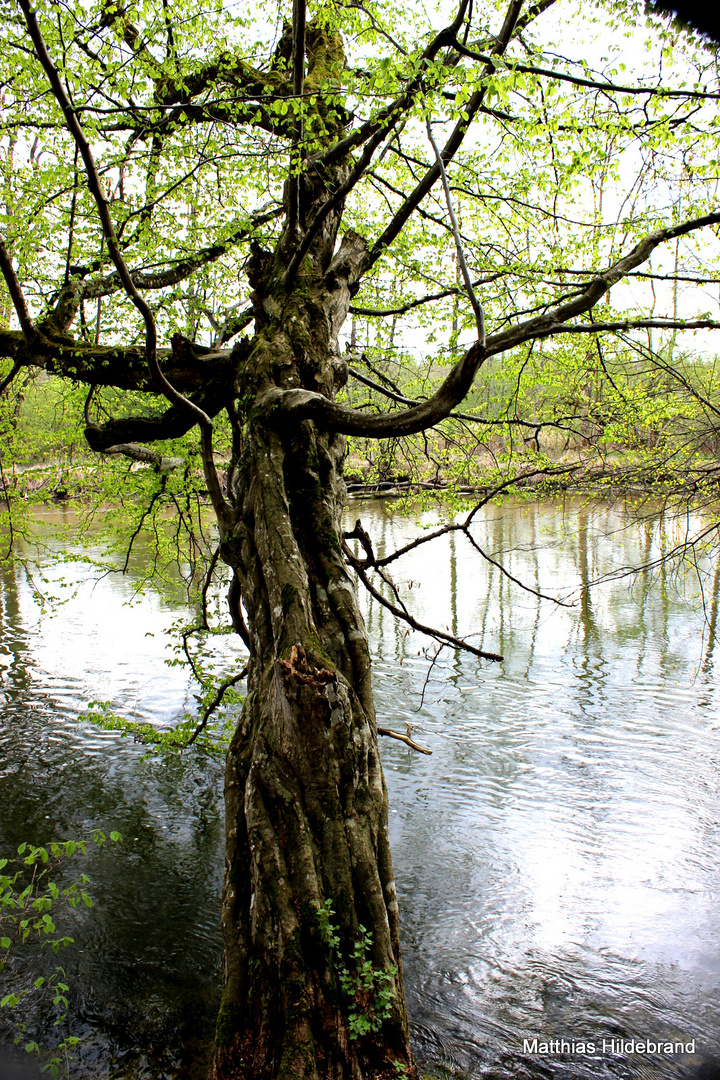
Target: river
x,y
556,856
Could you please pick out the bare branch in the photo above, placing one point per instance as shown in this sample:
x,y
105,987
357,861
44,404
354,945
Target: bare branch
x,y
476,305
514,481
120,366
403,738
173,423
359,567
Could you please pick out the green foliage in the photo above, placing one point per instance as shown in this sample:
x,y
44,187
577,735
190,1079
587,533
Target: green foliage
x,y
30,903
212,740
369,992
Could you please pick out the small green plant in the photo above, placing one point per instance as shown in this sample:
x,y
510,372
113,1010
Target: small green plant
x,y
368,990
30,901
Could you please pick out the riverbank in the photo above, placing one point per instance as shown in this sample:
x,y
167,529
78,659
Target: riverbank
x,y
56,482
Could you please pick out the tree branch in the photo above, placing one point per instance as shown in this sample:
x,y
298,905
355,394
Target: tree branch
x,y
403,738
306,403
163,279
173,423
592,84
450,148
298,73
388,117
148,457
216,701
475,303
404,308
360,567
633,324
108,228
16,295
120,366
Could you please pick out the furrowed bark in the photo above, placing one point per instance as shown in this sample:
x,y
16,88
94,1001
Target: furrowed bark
x,y
306,803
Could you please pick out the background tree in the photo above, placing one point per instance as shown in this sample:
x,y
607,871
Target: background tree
x,y
179,179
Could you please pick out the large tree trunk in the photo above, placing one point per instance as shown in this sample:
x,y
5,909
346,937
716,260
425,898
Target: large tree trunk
x,y
306,803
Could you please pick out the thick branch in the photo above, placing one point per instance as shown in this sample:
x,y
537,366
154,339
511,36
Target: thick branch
x,y
303,403
147,457
16,294
173,423
121,366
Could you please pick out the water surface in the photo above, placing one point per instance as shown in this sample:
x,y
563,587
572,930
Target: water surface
x,y
556,856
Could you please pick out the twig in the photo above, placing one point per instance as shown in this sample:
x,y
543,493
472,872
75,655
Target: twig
x,y
427,677
403,738
439,635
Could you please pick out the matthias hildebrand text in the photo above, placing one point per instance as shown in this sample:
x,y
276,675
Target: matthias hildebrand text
x,y
606,1046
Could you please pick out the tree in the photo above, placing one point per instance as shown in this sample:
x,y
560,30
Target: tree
x,y
205,165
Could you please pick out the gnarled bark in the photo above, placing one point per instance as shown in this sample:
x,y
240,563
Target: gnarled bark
x,y
306,801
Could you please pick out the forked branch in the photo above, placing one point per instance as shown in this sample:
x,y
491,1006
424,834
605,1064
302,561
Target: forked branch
x,y
360,565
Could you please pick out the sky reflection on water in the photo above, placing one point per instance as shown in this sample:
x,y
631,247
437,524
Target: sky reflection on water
x,y
557,856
